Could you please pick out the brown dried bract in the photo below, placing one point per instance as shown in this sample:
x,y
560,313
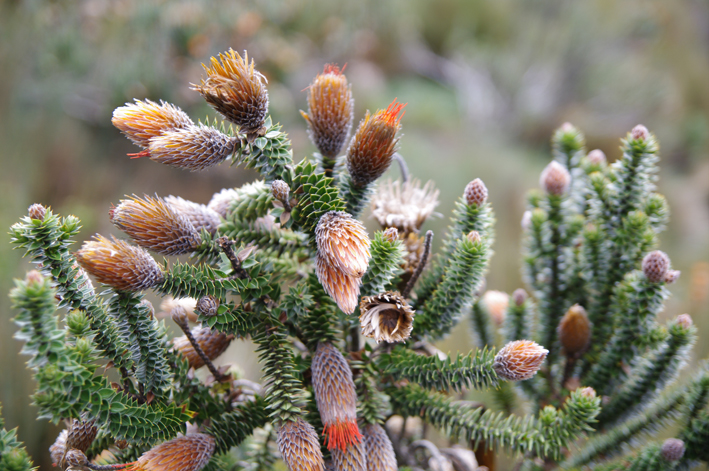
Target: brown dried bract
x,y
386,317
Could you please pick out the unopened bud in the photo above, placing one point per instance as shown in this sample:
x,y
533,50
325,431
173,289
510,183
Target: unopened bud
x,y
34,277
179,315
574,330
144,120
475,192
640,133
280,190
519,296
496,303
588,393
519,360
474,237
655,266
673,449
186,453
75,459
555,179
299,446
671,276
208,305
391,234
37,211
684,320
597,157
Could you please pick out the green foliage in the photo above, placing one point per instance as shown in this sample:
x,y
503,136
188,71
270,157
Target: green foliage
x,y
384,266
316,196
13,456
373,405
232,428
270,155
355,197
482,325
249,202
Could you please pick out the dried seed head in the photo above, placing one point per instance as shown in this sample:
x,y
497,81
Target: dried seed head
x,y
343,243
119,264
81,434
373,145
75,459
655,266
597,157
684,320
673,449
336,397
299,446
380,452
343,288
588,393
474,237
353,458
143,120
155,225
496,303
221,201
639,133
555,179
391,234
386,317
199,215
56,451
169,303
280,190
212,342
185,453
405,206
671,276
236,90
574,331
475,193
519,360
192,148
208,305
519,296
330,111
37,211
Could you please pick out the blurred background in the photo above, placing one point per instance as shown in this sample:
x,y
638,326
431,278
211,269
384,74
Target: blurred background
x,y
486,84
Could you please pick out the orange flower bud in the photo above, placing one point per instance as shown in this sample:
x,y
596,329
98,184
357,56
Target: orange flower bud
x,y
371,150
155,225
555,179
212,342
343,243
380,452
186,453
519,360
336,397
574,331
199,215
192,148
330,111
236,91
387,317
143,120
475,193
344,289
299,446
119,264
655,266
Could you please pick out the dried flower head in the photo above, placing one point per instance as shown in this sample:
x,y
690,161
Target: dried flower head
x,y
588,393
208,305
496,303
221,201
119,264
391,234
597,157
144,120
336,397
555,179
353,458
671,276
475,192
169,303
386,317
405,206
373,145
519,296
655,266
639,133
574,331
519,360
75,459
330,111
236,90
343,243
380,452
212,342
155,225
81,434
185,453
37,211
56,451
673,449
299,446
199,215
192,148
684,320
414,243
343,288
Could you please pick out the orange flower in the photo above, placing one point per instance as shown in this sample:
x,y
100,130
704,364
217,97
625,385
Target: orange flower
x,y
185,453
213,344
330,111
299,446
143,120
119,264
192,148
519,360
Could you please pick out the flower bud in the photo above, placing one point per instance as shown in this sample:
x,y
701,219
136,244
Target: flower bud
x,y
236,91
597,157
343,288
353,458
671,276
588,393
192,148
212,342
155,225
371,150
343,243
144,120
336,397
379,450
119,264
391,234
684,320
185,453
672,449
555,179
330,111
199,215
474,237
81,434
574,331
496,303
387,317
405,206
299,446
655,266
475,193
75,459
37,211
519,296
208,305
639,133
280,190
519,360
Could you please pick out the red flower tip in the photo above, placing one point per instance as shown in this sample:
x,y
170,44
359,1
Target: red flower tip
x,y
144,153
341,434
391,114
334,69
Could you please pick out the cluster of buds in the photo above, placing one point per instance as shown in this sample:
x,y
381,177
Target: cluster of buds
x,y
342,257
519,360
72,443
386,317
